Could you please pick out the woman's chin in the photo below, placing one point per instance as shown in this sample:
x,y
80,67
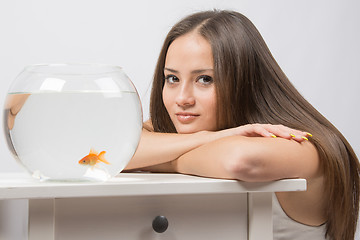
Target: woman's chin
x,y
187,130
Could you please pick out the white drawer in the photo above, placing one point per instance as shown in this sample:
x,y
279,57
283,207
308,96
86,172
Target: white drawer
x,y
217,216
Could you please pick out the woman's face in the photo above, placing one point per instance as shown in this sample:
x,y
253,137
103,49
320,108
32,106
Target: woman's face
x,y
189,91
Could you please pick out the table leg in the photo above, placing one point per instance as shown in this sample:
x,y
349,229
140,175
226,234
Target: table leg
x,y
260,216
41,219
14,219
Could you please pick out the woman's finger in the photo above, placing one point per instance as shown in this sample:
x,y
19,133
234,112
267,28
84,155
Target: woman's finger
x,y
268,130
289,133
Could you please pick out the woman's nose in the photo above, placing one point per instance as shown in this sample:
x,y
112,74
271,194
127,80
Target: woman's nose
x,y
185,97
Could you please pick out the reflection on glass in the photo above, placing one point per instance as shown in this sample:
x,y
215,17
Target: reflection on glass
x,y
13,105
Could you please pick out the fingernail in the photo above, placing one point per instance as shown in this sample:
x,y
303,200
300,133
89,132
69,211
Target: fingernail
x,y
272,135
309,134
292,135
305,138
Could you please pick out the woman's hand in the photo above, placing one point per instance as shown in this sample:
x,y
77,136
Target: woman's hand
x,y
267,130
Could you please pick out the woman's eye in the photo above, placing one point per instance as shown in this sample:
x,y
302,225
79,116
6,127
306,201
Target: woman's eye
x,y
171,79
205,80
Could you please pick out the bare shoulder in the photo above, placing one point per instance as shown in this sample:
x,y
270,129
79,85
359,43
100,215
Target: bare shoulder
x,y
306,207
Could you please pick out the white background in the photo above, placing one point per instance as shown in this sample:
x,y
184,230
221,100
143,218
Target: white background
x,y
317,44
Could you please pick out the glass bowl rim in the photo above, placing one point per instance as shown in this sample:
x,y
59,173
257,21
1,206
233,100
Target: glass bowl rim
x,y
106,68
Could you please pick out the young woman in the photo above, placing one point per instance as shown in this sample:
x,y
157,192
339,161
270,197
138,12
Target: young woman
x,y
222,107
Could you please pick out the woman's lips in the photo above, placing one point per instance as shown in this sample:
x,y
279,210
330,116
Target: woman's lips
x,y
186,117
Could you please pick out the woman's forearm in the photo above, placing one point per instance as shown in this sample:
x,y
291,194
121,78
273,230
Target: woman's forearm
x,y
157,148
251,159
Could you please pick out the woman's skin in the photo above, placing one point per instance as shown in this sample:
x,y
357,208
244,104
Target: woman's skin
x,y
249,153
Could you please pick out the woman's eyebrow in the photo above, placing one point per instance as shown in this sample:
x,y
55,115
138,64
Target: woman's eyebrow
x,y
193,71
202,70
171,70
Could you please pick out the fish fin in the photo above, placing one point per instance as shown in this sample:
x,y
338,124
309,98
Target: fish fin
x,y
102,157
92,151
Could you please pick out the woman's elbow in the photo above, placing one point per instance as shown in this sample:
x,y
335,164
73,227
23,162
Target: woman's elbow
x,y
242,167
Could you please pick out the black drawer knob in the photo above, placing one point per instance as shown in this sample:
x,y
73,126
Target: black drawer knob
x,y
160,224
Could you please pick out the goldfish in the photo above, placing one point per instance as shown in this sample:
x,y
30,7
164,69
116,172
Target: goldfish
x,y
93,158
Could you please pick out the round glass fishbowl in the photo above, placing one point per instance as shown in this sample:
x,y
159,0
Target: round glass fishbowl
x,y
73,122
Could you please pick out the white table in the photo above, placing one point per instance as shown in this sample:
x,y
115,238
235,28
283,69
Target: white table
x,y
125,207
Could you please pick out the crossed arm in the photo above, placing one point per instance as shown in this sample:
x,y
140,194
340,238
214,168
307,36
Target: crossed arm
x,y
249,153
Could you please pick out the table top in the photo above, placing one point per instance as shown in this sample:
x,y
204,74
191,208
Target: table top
x,y
23,186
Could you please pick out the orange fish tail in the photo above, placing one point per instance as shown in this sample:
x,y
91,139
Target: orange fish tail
x,y
102,157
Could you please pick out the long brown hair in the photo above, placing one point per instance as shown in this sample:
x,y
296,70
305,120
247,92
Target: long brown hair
x,y
254,89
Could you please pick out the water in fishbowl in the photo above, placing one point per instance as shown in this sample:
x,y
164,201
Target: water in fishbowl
x,y
73,135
